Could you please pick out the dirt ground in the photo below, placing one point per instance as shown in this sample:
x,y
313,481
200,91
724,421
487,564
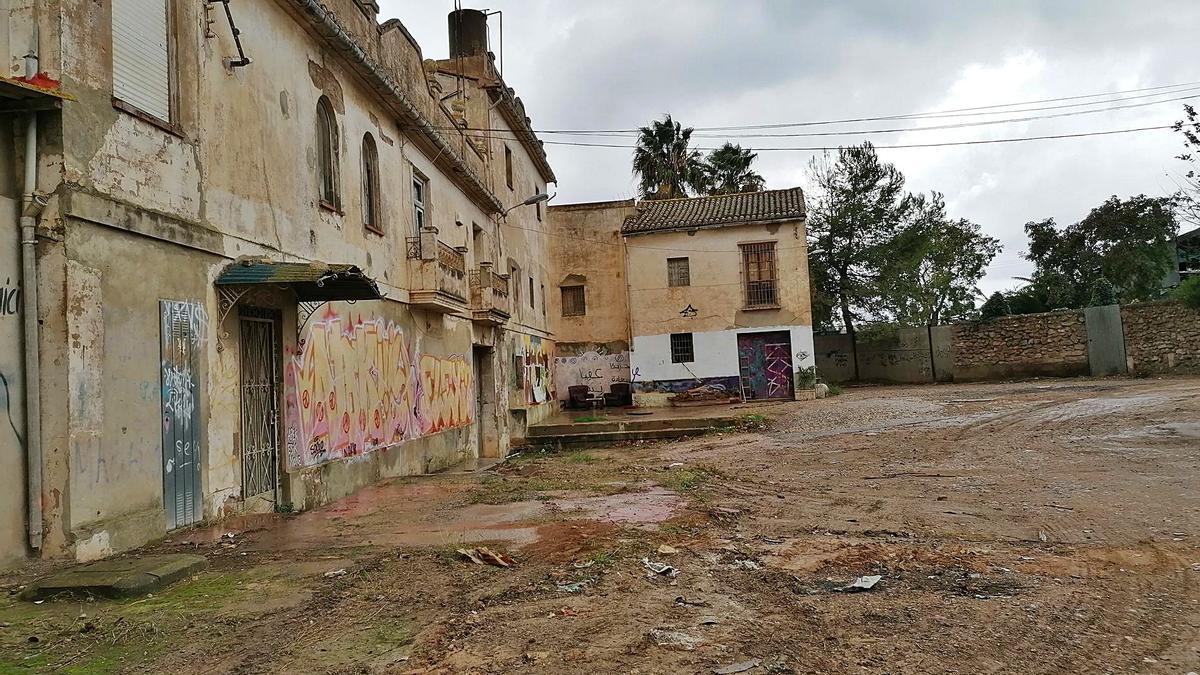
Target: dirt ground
x,y
1033,527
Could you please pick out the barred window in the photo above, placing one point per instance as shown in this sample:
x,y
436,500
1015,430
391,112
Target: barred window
x,y
679,272
682,348
573,302
759,276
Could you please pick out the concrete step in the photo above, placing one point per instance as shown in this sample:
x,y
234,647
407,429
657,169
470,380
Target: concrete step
x,y
592,439
631,425
116,578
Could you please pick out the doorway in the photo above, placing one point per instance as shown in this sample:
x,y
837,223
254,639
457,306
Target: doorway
x,y
259,332
765,365
487,429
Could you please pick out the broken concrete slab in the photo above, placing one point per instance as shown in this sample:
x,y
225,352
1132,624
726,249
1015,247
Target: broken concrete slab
x,y
120,578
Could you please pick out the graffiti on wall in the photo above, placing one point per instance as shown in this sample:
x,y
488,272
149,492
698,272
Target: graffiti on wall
x,y
532,369
356,386
184,332
597,371
10,298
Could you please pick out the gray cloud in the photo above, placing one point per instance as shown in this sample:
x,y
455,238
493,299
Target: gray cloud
x,y
618,64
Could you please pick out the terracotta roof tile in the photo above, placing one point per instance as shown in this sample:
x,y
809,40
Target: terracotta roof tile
x,y
745,207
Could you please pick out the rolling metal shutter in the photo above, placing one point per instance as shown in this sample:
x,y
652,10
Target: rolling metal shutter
x,y
141,58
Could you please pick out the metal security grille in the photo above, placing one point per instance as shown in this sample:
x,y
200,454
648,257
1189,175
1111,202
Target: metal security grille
x,y
260,442
682,348
182,328
573,302
758,268
679,272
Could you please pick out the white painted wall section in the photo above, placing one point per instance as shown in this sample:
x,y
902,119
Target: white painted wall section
x,y
716,354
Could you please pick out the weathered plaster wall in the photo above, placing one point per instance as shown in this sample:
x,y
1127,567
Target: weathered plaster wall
x,y
716,293
905,357
12,401
1161,337
150,213
1050,344
597,371
588,250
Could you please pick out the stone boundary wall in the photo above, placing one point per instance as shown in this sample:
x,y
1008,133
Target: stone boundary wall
x,y
1161,337
1053,344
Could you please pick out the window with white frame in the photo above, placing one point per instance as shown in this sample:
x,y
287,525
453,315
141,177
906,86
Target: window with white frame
x,y
420,200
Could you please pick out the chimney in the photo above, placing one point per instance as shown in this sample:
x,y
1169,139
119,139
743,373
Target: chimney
x,y
468,33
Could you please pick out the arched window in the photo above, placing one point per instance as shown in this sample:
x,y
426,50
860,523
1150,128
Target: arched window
x,y
372,216
327,154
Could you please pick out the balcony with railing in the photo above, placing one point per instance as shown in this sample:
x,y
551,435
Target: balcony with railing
x,y
490,304
437,274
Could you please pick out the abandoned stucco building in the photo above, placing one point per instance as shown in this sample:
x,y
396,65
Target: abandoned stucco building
x,y
258,272
671,294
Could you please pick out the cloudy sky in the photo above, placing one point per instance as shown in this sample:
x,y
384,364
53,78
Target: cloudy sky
x,y
580,64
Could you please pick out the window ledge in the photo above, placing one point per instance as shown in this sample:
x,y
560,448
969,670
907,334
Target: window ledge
x,y
757,308
332,208
146,117
372,229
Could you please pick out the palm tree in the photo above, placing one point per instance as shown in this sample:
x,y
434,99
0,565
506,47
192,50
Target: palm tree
x,y
728,171
666,167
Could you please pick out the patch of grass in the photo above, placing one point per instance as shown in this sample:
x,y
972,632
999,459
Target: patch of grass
x,y
582,457
603,558
592,418
503,489
688,479
834,389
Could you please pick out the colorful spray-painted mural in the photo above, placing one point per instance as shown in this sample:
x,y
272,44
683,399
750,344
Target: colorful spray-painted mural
x,y
532,369
356,386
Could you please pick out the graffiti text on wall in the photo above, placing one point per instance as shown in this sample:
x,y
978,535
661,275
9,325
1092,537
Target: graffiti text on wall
x,y
356,386
10,298
597,371
533,369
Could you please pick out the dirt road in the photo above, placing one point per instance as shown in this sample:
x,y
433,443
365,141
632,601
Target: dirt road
x,y
1037,527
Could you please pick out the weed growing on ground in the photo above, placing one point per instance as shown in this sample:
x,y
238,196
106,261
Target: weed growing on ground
x,y
592,418
834,389
582,457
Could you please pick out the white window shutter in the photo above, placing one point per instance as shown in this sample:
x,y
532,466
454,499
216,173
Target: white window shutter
x,y
141,56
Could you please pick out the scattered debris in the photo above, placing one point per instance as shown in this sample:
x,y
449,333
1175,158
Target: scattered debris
x,y
667,550
574,587
861,584
709,621
739,667
771,540
567,611
704,393
684,602
483,555
1042,536
657,568
336,573
909,474
1060,507
747,564
674,639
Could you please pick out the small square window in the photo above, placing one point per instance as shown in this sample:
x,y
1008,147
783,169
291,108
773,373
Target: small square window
x,y
678,272
682,349
573,301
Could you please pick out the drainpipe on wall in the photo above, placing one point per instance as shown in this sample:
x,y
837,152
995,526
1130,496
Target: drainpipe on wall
x,y
31,209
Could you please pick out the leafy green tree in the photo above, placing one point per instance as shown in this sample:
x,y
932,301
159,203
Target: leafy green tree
x,y
857,210
727,171
937,262
1189,189
1128,242
664,163
1103,293
995,306
1188,292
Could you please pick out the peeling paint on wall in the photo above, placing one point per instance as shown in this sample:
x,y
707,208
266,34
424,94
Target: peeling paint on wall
x,y
356,386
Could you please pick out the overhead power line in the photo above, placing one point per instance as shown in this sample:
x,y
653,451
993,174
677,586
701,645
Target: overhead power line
x,y
1018,139
996,109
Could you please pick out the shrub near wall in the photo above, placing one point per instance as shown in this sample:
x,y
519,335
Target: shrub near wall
x,y
1162,337
1052,344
